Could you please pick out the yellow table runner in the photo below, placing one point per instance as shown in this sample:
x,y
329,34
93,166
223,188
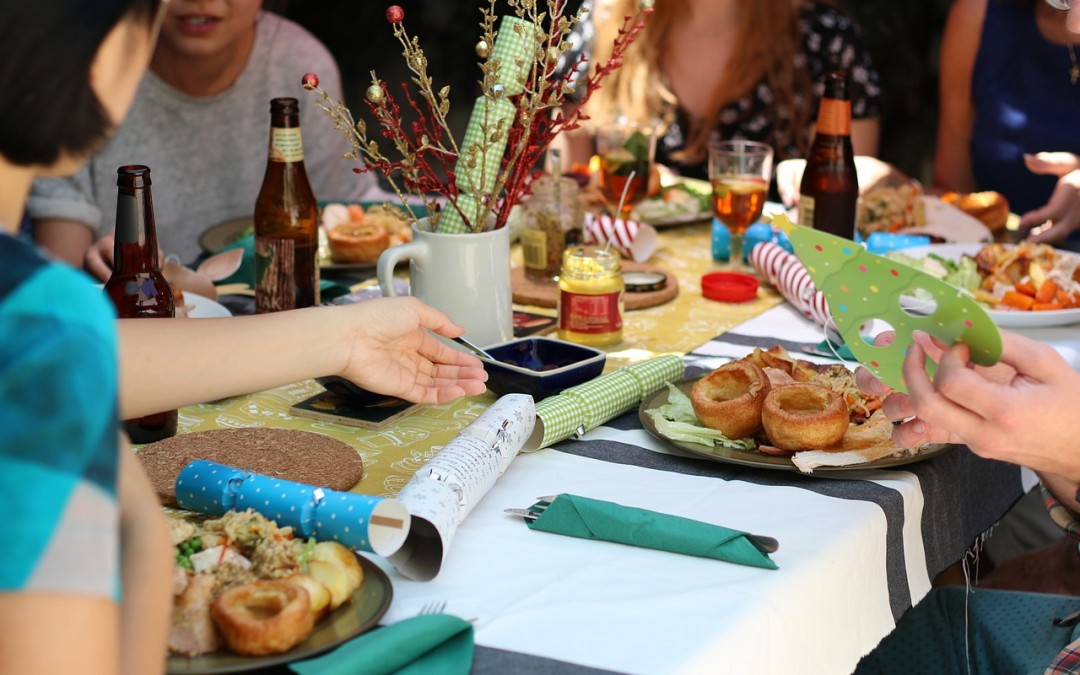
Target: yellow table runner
x,y
391,456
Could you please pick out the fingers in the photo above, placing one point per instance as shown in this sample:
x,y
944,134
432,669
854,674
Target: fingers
x,y
435,320
1031,358
866,381
1052,163
98,260
1063,210
934,403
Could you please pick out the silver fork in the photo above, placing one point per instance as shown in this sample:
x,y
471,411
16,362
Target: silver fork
x,y
434,607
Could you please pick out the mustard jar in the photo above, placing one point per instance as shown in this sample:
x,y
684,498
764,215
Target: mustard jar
x,y
553,217
590,297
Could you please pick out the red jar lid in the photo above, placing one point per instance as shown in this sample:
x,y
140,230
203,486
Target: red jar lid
x,y
729,286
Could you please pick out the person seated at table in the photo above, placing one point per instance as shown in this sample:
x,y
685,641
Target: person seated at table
x,y
84,582
1010,92
200,121
727,69
1024,416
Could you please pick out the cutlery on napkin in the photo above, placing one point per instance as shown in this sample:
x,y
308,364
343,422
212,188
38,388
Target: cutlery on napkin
x,y
585,518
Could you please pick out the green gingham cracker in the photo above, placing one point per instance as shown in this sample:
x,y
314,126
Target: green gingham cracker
x,y
491,114
515,53
591,404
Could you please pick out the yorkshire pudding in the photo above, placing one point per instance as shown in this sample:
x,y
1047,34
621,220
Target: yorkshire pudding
x,y
263,617
804,417
357,242
729,399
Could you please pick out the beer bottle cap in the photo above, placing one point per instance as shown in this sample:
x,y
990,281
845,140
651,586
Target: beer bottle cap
x,y
729,286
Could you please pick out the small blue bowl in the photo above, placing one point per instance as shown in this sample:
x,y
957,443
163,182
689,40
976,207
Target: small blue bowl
x,y
540,366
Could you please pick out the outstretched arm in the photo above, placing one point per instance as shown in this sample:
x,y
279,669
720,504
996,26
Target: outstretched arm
x,y
383,345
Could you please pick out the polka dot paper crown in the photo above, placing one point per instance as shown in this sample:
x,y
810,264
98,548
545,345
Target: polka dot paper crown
x,y
861,287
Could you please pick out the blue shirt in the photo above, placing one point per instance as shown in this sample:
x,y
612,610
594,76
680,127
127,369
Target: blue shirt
x,y
58,428
1024,103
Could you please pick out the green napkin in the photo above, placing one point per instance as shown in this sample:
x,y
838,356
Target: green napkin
x,y
435,643
586,518
591,404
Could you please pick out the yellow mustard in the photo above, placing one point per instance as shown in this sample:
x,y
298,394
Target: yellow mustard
x,y
590,297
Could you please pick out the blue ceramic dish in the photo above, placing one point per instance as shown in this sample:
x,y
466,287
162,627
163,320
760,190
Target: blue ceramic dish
x,y
540,366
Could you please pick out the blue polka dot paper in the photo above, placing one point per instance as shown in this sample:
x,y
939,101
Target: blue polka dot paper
x,y
360,522
861,287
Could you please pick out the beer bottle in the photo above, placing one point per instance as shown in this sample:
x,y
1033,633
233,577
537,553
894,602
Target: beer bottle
x,y
137,287
829,187
286,220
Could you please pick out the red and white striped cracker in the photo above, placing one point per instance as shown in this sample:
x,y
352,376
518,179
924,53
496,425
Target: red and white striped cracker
x,y
633,240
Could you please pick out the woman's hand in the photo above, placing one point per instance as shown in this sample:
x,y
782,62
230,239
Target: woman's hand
x,y
393,353
1020,411
1061,216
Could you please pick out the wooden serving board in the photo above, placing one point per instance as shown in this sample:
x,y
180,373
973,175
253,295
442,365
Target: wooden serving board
x,y
529,292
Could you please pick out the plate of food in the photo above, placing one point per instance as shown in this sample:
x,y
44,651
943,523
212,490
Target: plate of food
x,y
252,596
904,209
771,411
1022,285
351,234
681,202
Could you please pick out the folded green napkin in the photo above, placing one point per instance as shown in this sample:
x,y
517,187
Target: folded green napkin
x,y
434,643
591,404
586,518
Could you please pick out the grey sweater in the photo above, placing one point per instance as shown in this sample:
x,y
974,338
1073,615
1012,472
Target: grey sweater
x,y
207,155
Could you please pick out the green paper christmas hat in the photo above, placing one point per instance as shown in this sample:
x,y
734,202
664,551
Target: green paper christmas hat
x,y
860,287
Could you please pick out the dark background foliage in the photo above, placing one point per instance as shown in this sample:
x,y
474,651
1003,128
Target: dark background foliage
x,y
903,38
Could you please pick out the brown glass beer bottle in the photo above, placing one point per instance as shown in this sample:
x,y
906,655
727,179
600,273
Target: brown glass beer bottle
x,y
137,287
286,220
830,187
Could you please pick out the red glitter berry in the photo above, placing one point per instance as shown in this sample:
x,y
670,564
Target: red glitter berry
x,y
310,81
395,14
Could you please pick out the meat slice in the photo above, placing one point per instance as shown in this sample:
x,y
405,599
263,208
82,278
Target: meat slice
x,y
192,630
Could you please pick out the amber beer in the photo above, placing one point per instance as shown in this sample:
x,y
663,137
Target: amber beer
x,y
137,287
830,187
286,220
738,202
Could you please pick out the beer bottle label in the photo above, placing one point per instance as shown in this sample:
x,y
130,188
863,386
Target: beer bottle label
x,y
275,277
286,145
806,210
834,117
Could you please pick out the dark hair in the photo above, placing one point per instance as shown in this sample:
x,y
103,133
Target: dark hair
x,y
47,106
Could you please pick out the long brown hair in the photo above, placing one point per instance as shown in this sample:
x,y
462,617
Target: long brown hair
x,y
768,38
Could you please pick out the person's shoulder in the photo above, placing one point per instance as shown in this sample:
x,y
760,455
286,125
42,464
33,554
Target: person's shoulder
x,y
44,292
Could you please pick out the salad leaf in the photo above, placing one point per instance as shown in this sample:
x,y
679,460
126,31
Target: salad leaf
x,y
676,420
962,273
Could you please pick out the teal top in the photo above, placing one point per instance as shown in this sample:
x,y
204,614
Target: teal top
x,y
58,428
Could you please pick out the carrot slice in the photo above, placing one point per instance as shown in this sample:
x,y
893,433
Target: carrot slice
x,y
1047,291
1017,300
1046,306
1025,287
356,213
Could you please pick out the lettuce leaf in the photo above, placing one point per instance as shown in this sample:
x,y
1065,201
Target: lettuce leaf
x,y
676,420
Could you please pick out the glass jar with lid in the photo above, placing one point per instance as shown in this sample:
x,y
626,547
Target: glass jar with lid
x,y
553,218
591,297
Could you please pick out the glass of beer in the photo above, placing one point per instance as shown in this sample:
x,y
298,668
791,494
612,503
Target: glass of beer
x,y
740,172
626,152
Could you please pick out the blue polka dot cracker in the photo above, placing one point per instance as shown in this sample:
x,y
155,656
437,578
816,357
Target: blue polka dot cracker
x,y
358,521
861,287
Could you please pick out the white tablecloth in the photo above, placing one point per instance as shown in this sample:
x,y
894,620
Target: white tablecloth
x,y
855,552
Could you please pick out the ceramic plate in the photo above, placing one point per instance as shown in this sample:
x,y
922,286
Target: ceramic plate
x,y
670,217
217,237
950,224
362,613
758,459
205,308
1003,318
